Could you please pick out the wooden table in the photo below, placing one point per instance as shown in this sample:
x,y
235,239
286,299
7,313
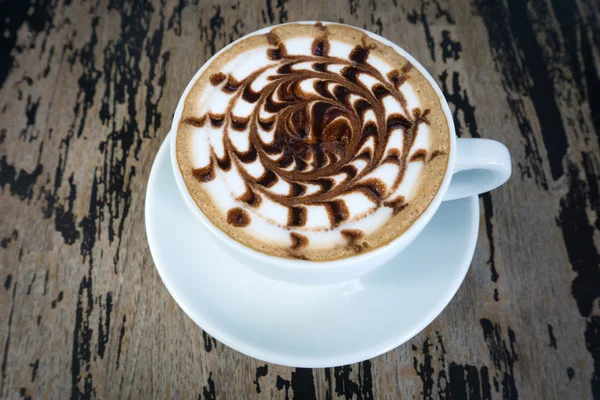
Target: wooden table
x,y
88,89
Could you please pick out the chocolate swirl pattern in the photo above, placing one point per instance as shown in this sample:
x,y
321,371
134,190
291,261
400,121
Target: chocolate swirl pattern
x,y
314,142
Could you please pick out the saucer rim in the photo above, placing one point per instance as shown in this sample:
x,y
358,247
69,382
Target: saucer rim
x,y
350,357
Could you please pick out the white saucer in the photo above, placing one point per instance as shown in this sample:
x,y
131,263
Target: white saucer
x,y
301,325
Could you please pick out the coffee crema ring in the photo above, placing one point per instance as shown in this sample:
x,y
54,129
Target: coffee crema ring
x,y
321,143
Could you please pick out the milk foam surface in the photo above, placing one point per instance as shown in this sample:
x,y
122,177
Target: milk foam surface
x,y
302,159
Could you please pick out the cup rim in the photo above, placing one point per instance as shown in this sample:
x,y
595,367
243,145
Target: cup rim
x,y
396,245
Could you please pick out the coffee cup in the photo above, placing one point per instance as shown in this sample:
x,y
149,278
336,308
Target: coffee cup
x,y
473,166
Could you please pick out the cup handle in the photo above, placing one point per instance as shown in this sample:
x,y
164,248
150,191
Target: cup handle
x,y
481,165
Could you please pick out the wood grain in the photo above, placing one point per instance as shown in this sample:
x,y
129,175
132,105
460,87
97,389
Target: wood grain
x,y
87,91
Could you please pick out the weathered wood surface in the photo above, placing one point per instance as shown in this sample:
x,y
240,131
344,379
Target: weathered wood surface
x,y
87,91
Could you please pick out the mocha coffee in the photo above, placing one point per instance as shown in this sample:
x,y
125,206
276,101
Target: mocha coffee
x,y
312,141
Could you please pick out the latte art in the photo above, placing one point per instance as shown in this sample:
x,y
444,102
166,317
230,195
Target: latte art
x,y
311,142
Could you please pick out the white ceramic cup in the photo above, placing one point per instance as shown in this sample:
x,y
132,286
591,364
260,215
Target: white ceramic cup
x,y
474,166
